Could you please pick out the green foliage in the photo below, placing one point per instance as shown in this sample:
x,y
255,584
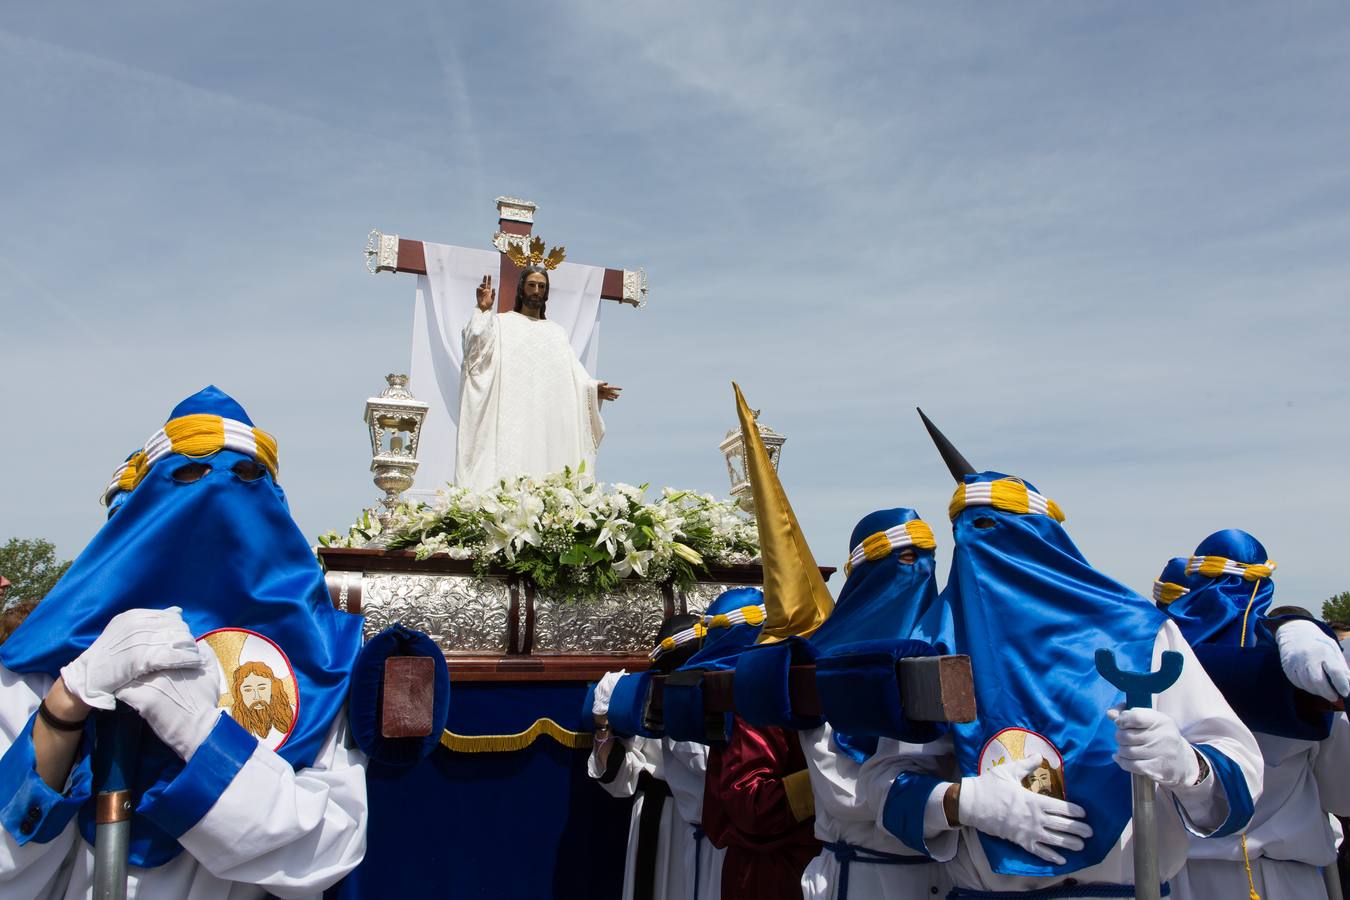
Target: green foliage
x,y
32,568
1337,608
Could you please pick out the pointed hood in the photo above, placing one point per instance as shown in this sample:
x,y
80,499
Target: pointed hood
x,y
796,600
956,463
1031,611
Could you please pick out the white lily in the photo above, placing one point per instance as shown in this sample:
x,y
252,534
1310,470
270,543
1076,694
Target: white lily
x,y
633,561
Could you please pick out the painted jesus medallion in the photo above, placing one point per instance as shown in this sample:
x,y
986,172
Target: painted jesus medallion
x,y
1018,743
259,685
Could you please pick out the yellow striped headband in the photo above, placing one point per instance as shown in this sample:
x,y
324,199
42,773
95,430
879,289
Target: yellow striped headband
x,y
1005,494
746,615
914,533
678,639
1164,592
196,435
1214,566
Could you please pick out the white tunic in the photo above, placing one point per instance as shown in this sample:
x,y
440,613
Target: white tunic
x,y
686,766
843,815
1290,836
674,842
527,406
1202,715
273,830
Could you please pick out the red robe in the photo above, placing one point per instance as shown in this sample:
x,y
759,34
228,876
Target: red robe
x,y
757,805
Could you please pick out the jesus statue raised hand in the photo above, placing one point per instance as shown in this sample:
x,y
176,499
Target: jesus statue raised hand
x,y
527,406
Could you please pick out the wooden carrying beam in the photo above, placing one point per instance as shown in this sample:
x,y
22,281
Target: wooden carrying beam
x,y
932,689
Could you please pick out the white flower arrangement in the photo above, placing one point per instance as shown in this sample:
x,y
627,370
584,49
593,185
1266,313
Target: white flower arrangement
x,y
569,534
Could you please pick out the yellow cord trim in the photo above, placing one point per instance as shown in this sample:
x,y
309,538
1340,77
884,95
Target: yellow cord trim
x,y
196,435
199,434
1247,863
1242,838
132,471
1214,566
1164,592
506,743
694,632
267,450
1006,495
914,533
746,615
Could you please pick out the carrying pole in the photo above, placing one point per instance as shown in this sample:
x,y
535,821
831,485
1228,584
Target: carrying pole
x,y
116,739
1139,688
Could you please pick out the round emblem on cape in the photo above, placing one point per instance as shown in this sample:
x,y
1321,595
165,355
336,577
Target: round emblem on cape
x,y
260,692
1018,743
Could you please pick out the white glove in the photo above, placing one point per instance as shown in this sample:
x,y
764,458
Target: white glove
x,y
996,803
604,688
133,643
1150,744
1312,661
180,705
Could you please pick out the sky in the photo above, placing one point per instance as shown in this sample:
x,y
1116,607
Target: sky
x,y
1103,245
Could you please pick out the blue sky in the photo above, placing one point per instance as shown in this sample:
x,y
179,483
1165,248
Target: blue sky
x,y
1104,245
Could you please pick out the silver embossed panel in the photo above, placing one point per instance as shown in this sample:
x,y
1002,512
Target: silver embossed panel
x,y
623,622
701,595
459,612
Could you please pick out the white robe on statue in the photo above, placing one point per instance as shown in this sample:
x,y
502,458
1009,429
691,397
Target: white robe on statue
x,y
527,405
674,843
1290,837
274,830
444,305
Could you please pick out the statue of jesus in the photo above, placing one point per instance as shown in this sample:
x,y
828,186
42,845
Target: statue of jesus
x,y
527,406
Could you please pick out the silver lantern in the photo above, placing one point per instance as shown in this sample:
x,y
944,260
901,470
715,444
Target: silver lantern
x,y
394,419
733,448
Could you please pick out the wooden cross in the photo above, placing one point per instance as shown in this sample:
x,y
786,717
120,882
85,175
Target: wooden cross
x,y
515,218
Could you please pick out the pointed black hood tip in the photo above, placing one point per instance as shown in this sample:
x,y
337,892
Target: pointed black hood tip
x,y
956,463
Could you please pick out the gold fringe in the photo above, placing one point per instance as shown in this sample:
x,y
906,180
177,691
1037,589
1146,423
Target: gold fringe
x,y
506,743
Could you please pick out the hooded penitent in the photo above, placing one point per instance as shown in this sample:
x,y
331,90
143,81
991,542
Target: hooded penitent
x,y
872,625
1230,590
1031,611
1220,599
202,524
731,624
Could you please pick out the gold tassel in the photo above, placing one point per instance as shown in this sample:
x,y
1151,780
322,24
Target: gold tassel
x,y
507,743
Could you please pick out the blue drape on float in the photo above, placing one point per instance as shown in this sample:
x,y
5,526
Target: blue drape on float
x,y
518,825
